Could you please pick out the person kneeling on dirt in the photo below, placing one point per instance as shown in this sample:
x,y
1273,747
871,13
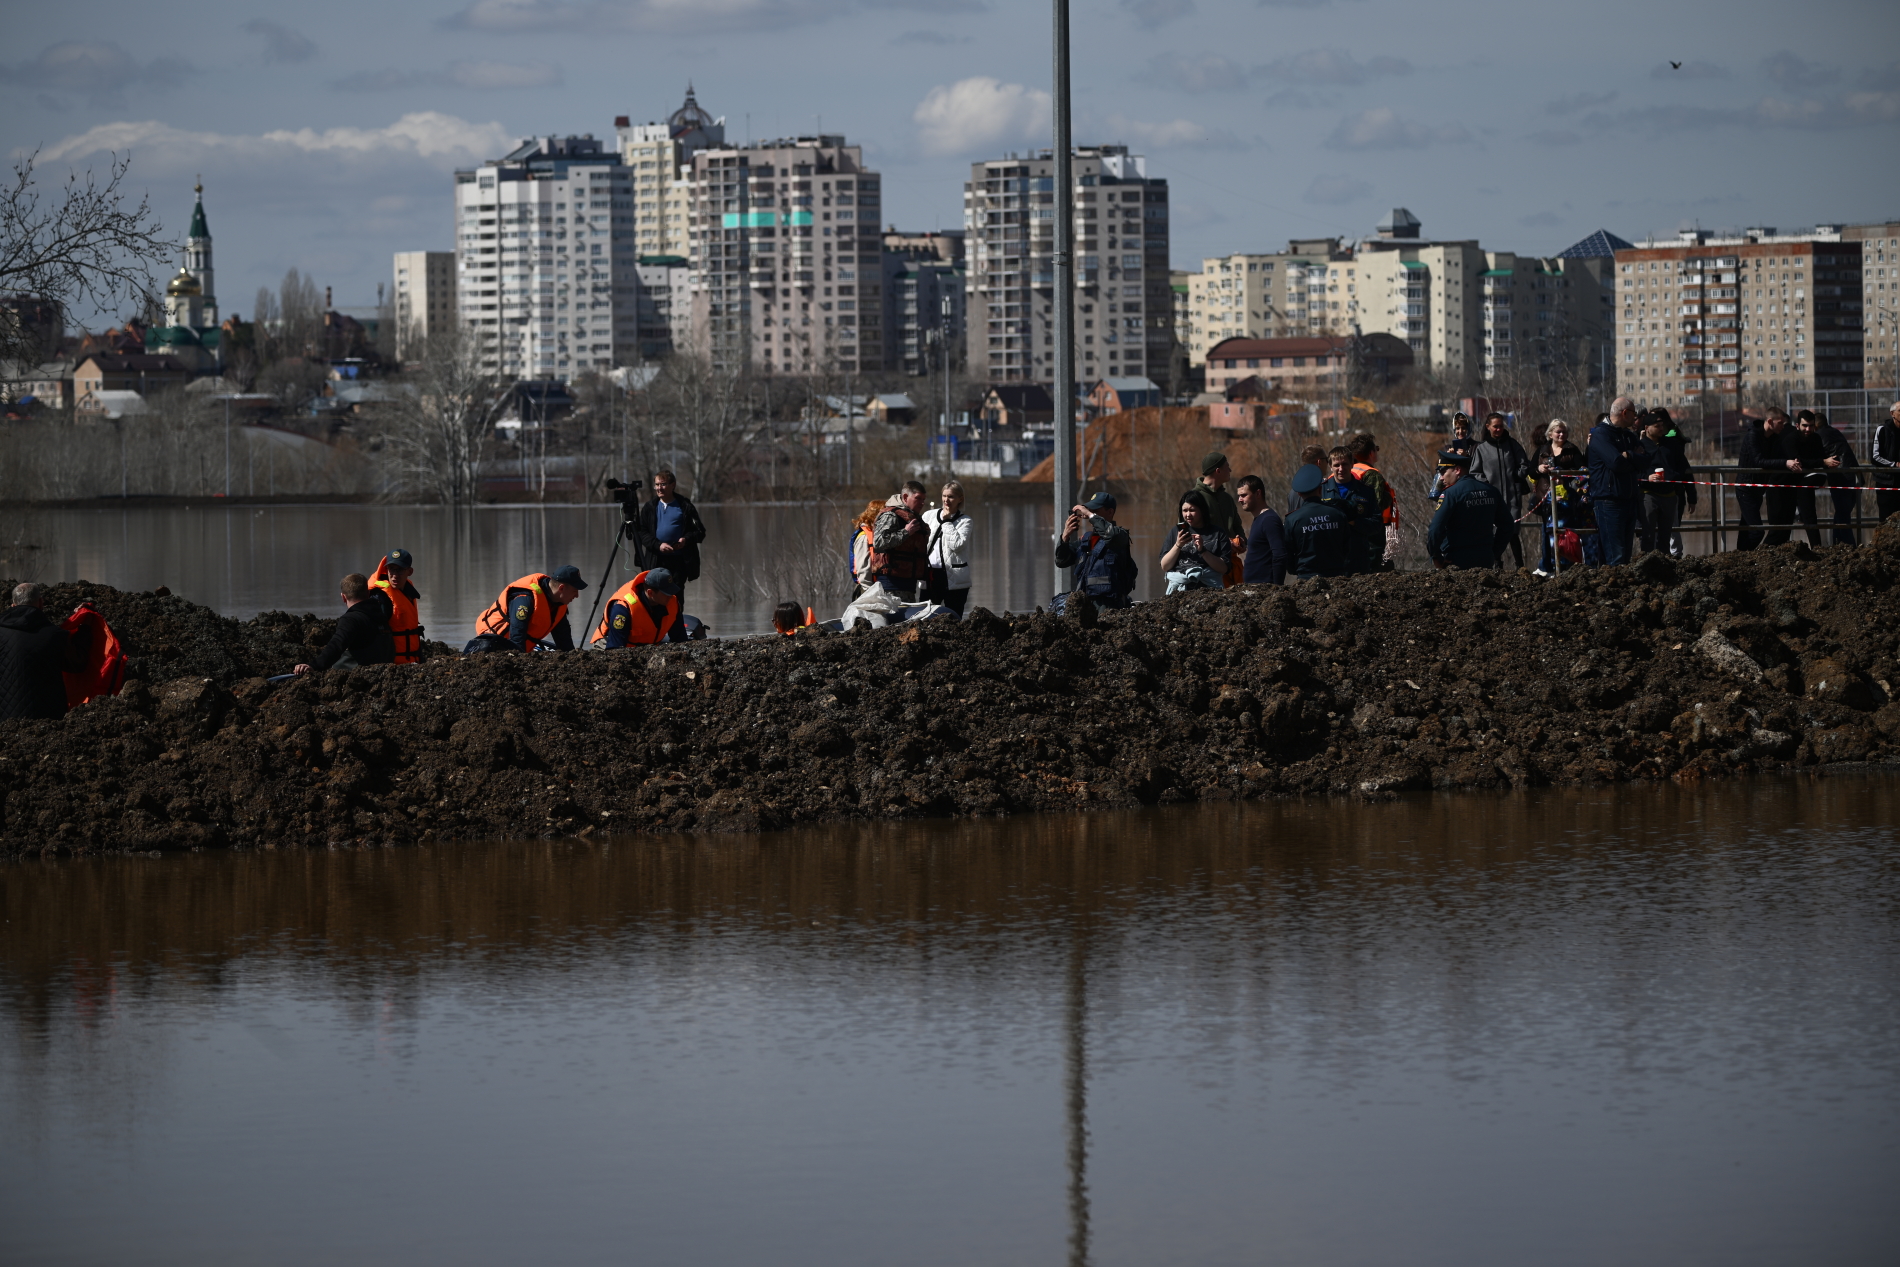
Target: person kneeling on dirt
x,y
35,654
529,610
642,612
362,631
1098,553
1472,522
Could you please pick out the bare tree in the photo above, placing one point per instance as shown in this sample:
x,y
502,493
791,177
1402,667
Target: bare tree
x,y
442,424
701,419
87,247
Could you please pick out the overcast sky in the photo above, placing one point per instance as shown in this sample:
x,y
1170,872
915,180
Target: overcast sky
x,y
326,134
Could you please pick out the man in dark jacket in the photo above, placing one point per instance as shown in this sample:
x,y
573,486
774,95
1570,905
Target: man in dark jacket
x,y
1265,560
667,533
1789,456
1318,536
1754,440
362,631
1615,461
1472,520
1098,552
1670,485
1500,461
34,652
1843,479
1886,458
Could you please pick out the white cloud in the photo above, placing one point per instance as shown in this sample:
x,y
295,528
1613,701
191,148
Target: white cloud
x,y
981,113
426,134
1174,134
1383,128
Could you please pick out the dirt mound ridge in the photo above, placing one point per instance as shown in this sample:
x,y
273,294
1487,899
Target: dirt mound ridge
x,y
1364,686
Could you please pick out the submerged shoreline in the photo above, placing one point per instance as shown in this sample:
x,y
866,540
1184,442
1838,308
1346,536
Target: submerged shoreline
x,y
1364,686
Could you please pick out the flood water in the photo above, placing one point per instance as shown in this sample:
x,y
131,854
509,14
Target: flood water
x,y
1621,1026
241,560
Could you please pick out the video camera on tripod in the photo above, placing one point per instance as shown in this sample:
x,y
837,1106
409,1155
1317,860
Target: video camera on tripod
x,y
626,496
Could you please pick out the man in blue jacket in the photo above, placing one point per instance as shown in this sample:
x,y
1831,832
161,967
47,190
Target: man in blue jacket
x,y
1473,522
1615,460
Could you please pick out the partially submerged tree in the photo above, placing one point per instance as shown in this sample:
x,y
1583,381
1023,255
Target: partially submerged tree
x,y
87,247
441,424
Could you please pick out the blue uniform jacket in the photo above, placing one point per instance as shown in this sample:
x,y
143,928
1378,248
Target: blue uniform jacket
x,y
1319,541
1471,526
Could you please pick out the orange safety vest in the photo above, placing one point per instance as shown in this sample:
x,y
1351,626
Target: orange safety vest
x,y
642,630
104,673
404,626
540,623
1390,511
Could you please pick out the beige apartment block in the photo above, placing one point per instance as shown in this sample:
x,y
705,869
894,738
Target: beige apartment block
x,y
1124,302
423,298
659,158
1707,315
1880,304
786,257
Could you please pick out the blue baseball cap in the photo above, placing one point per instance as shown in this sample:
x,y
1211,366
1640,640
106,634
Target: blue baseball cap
x,y
1453,457
664,581
1099,503
400,558
569,575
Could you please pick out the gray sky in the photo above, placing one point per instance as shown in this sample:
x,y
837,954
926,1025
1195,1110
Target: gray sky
x,y
325,134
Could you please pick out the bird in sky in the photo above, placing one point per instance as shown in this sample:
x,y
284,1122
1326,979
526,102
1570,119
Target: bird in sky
x,y
1675,65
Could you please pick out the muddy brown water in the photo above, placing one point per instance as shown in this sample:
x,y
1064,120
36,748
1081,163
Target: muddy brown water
x,y
1630,1025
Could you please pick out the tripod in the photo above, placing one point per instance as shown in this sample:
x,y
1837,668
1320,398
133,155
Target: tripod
x,y
629,499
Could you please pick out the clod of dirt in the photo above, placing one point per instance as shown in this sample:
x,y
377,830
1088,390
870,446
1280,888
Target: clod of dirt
x,y
1365,686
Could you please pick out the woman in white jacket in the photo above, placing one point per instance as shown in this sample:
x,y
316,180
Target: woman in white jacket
x,y
949,535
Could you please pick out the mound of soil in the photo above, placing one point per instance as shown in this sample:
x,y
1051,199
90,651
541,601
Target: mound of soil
x,y
1365,686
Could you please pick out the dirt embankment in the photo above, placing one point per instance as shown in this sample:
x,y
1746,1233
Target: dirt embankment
x,y
1365,686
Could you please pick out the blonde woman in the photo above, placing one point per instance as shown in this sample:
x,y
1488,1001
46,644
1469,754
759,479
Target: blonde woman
x,y
949,554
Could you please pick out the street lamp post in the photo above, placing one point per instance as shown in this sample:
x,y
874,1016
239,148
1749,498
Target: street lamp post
x,y
1064,483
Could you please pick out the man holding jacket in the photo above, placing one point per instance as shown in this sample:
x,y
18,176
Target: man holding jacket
x,y
667,532
1615,461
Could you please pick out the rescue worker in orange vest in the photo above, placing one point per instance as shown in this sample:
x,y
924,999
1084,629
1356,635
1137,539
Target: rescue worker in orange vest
x,y
1365,447
900,546
642,612
530,611
391,579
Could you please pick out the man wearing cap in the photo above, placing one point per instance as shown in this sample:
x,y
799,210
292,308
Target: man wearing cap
x,y
530,610
362,631
644,611
1472,522
1318,538
390,582
1098,552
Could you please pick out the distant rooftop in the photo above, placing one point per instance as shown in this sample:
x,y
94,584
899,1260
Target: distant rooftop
x,y
1598,245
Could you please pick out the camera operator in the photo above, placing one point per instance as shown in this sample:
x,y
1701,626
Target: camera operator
x,y
667,531
1198,554
1098,553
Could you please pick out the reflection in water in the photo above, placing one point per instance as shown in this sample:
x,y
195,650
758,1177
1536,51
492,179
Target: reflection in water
x,y
1571,1026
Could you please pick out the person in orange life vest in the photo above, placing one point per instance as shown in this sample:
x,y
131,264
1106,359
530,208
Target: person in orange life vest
x,y
391,580
901,545
1365,450
530,610
644,611
362,632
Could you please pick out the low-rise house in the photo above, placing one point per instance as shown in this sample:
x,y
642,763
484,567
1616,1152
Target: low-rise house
x,y
141,374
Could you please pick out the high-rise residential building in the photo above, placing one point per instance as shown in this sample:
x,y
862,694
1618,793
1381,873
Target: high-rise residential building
x,y
1880,304
786,257
545,275
1124,306
1716,315
923,300
1282,294
422,298
659,159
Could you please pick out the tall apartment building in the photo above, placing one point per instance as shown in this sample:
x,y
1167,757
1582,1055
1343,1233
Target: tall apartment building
x,y
1880,304
1125,300
659,159
923,300
786,257
1718,315
545,273
1276,295
423,297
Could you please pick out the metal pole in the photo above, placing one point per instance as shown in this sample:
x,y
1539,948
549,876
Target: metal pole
x,y
1064,386
227,446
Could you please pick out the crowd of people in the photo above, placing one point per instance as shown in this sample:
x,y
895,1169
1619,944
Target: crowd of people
x,y
1628,484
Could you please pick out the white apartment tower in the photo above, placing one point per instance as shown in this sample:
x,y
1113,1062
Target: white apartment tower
x,y
423,298
545,272
786,257
659,160
1124,310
